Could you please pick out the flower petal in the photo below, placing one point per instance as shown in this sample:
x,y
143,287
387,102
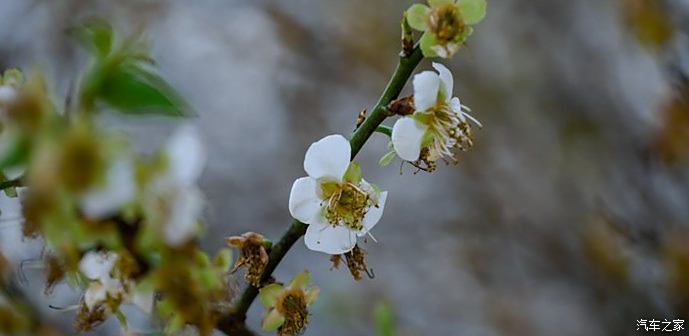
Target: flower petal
x,y
182,220
374,214
272,320
446,80
186,155
436,3
323,237
144,300
473,11
301,280
417,16
119,189
328,158
312,295
426,85
456,106
304,203
96,265
406,138
95,294
7,94
426,43
268,295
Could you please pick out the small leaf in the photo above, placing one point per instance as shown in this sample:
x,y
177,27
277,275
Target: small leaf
x,y
353,173
96,35
384,319
134,90
387,158
473,11
417,16
15,152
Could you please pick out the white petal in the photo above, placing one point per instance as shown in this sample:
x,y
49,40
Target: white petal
x,y
7,94
144,300
186,155
374,214
111,285
328,158
185,210
446,80
107,200
304,203
97,265
456,106
426,85
406,138
323,237
95,294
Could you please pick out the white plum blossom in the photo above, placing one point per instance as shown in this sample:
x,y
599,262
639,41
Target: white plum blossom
x,y
336,203
439,124
118,190
173,198
98,267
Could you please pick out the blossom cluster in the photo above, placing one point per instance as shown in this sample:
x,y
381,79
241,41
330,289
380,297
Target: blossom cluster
x,y
124,226
119,224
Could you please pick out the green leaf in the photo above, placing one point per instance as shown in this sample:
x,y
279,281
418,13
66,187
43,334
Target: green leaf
x,y
16,152
385,321
427,41
353,173
268,295
134,90
473,11
387,158
417,16
96,35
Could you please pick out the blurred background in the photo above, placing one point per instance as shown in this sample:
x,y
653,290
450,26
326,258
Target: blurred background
x,y
570,216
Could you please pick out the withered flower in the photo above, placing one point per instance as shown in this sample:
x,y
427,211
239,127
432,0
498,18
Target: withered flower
x,y
355,262
287,307
253,255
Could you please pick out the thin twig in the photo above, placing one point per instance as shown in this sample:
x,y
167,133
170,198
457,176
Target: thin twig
x,y
405,67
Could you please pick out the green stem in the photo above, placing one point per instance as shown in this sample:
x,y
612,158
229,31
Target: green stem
x,y
404,69
382,129
402,73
